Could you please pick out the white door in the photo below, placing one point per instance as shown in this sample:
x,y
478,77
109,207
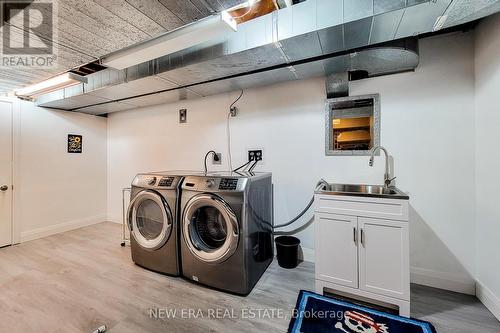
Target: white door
x,y
383,255
337,249
5,173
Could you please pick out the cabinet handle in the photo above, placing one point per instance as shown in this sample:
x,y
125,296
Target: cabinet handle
x,y
355,235
362,237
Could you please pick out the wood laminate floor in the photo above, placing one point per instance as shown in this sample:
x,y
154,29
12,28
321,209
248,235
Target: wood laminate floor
x,y
81,279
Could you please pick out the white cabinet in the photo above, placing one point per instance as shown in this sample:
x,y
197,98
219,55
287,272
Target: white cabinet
x,y
383,257
362,253
337,262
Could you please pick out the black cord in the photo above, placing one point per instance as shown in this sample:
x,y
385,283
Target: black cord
x,y
215,158
228,130
253,166
241,167
236,101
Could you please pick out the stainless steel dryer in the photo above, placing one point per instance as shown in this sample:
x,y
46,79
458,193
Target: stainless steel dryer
x,y
153,222
227,229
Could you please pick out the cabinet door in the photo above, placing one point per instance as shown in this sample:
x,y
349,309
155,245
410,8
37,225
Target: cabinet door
x,y
336,249
384,257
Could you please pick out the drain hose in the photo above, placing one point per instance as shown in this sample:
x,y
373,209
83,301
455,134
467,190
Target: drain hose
x,y
322,184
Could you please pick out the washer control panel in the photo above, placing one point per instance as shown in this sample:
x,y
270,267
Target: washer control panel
x,y
210,183
152,181
214,184
158,182
166,182
228,184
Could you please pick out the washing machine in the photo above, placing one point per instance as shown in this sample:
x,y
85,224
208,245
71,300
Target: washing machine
x,y
153,222
227,229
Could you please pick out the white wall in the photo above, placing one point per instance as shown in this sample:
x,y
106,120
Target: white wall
x,y
487,68
427,124
426,119
59,191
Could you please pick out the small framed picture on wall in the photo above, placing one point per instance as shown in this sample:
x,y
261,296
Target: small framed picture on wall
x,y
75,144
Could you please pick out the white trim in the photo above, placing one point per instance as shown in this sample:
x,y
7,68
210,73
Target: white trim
x,y
442,280
16,173
61,227
307,254
488,298
114,219
431,278
427,277
16,133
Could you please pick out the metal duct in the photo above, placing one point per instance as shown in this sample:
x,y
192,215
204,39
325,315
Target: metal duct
x,y
391,58
463,11
337,85
312,38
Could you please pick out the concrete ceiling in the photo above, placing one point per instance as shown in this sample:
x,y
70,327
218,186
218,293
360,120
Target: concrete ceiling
x,y
88,29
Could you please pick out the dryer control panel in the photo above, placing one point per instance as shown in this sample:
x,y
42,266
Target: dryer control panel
x,y
157,182
214,184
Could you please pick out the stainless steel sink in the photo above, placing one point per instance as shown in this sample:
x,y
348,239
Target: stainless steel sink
x,y
377,191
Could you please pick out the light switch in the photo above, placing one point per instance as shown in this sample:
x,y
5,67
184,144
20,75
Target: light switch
x,y
183,116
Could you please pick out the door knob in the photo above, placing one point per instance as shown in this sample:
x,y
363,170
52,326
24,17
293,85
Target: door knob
x,y
4,188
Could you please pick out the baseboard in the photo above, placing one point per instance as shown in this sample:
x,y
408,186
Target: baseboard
x,y
442,280
61,227
114,219
488,298
307,254
426,277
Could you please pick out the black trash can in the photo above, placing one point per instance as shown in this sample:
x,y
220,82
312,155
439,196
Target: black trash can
x,y
287,248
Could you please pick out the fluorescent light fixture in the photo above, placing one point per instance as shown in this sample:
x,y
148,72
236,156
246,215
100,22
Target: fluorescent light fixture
x,y
171,42
54,83
246,4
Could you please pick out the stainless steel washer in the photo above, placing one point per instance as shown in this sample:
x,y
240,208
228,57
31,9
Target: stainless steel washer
x,y
227,229
153,222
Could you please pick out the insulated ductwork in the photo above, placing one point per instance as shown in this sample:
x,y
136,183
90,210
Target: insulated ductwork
x,y
313,38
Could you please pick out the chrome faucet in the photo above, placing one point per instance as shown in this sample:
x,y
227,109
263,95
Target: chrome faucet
x,y
387,178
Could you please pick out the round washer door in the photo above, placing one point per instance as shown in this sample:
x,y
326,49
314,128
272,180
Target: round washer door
x,y
150,220
210,228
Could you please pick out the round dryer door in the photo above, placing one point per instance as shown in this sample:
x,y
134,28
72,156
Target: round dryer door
x,y
150,220
210,228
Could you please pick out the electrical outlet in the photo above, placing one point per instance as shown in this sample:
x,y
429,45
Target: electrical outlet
x,y
217,160
255,155
233,111
183,116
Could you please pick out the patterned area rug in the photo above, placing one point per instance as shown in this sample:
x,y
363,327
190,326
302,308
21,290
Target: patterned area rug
x,y
319,314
